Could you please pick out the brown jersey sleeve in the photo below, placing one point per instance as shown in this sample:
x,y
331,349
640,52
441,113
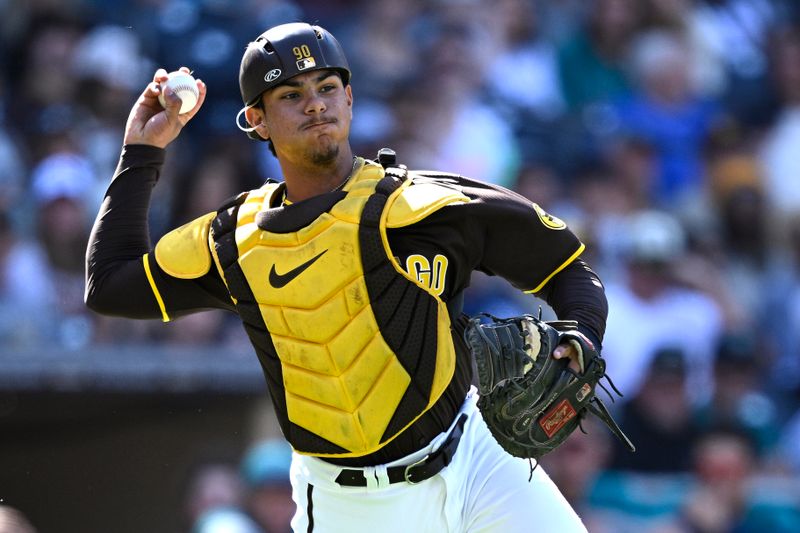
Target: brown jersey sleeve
x,y
498,232
514,237
502,233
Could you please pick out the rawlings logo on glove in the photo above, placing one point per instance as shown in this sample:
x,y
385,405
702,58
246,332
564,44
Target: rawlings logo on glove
x,y
531,401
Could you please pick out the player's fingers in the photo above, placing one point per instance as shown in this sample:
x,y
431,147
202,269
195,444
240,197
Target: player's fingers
x,y
561,351
149,95
152,90
187,70
565,350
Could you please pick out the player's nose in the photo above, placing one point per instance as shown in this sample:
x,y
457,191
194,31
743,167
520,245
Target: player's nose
x,y
315,104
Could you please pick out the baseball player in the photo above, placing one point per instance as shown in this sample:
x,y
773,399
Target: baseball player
x,y
348,278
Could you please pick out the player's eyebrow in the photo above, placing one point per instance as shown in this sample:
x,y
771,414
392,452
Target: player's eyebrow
x,y
294,83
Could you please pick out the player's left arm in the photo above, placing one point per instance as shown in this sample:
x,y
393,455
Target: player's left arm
x,y
537,253
576,293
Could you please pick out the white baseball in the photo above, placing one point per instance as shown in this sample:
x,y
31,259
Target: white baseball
x,y
184,87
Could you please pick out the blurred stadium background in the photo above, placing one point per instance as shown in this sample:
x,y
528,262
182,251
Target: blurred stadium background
x,y
665,132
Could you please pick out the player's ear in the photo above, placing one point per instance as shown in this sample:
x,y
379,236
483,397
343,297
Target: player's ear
x,y
348,91
255,117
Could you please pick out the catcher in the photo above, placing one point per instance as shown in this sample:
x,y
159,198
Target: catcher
x,y
348,277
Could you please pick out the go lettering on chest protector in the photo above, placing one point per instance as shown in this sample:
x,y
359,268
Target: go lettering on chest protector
x,y
430,274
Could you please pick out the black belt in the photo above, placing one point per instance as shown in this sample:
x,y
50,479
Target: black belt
x,y
427,467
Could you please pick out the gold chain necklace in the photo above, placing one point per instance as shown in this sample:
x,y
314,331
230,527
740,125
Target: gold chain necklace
x,y
352,171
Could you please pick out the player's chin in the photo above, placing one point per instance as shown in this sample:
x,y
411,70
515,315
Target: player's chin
x,y
324,153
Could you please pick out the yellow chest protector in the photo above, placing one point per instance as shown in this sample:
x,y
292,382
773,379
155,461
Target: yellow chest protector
x,y
364,349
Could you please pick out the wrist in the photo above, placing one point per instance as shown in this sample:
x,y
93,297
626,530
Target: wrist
x,y
592,336
139,156
143,149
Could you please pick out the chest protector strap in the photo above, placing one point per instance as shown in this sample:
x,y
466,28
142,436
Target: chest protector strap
x,y
407,315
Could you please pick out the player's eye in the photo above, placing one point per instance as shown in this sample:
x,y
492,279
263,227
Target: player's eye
x,y
290,95
327,88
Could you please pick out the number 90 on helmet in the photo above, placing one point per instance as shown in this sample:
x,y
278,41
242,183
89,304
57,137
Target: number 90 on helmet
x,y
285,51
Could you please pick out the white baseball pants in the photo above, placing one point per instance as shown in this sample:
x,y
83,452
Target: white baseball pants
x,y
482,490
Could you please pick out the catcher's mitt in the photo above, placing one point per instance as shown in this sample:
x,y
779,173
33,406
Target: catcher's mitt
x,y
531,401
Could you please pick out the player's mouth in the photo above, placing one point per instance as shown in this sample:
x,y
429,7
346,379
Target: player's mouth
x,y
318,123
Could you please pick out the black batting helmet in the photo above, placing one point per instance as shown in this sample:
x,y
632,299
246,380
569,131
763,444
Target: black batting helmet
x,y
286,51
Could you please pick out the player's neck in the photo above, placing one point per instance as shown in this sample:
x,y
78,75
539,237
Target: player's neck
x,y
306,180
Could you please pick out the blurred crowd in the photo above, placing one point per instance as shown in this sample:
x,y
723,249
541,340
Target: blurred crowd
x,y
219,495
253,495
664,132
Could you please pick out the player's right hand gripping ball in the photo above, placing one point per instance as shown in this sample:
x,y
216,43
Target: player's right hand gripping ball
x,y
184,86
531,401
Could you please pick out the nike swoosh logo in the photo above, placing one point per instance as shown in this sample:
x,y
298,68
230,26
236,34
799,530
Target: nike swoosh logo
x,y
281,280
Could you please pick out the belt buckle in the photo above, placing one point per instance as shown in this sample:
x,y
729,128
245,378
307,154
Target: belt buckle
x,y
409,467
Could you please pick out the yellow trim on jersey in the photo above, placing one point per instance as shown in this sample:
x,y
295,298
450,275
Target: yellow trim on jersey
x,y
564,265
215,259
157,294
